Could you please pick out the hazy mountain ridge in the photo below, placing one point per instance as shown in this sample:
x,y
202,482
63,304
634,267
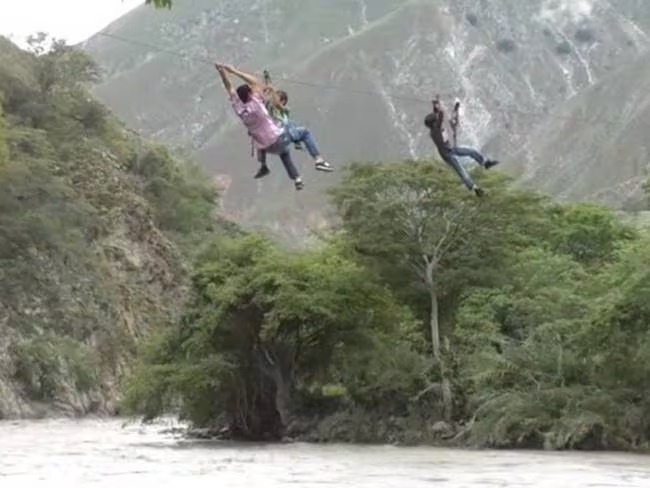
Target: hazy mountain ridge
x,y
510,62
596,145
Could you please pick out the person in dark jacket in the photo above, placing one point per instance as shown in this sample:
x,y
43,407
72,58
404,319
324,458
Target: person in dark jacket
x,y
435,122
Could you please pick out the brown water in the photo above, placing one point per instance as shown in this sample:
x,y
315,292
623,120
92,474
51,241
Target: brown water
x,y
111,454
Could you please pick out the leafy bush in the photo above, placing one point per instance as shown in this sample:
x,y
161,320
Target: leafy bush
x,y
184,200
49,364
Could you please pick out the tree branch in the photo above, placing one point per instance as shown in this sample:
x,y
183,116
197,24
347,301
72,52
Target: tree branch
x,y
429,388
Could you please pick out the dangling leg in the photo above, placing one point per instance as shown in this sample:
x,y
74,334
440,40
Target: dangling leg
x,y
302,134
264,169
285,156
281,149
451,160
475,155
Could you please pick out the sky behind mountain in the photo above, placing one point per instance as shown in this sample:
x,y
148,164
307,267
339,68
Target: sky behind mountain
x,y
72,20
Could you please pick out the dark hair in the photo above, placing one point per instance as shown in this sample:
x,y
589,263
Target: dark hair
x,y
282,95
244,93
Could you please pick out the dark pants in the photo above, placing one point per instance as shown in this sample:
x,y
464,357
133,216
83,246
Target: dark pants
x,y
449,156
286,159
291,134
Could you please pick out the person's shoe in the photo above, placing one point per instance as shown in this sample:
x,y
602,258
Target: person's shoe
x,y
299,184
324,166
479,191
262,172
490,163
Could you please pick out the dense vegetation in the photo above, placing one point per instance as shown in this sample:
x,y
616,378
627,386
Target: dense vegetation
x,y
94,227
425,313
516,320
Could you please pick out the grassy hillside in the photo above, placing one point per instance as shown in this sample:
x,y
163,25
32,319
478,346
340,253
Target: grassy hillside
x,y
95,226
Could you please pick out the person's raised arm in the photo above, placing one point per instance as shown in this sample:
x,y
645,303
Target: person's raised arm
x,y
224,78
252,80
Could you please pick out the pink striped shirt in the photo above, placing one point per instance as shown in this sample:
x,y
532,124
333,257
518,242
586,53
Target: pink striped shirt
x,y
257,120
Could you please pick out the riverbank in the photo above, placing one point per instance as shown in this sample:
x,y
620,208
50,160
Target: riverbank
x,y
353,428
101,452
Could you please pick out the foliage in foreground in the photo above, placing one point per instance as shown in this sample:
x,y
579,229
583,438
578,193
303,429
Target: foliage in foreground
x,y
541,308
268,327
557,358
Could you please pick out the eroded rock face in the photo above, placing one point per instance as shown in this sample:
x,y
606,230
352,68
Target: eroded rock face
x,y
514,64
85,270
90,317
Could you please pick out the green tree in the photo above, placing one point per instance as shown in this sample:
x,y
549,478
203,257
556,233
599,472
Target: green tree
x,y
266,324
590,233
414,223
60,67
555,359
183,198
60,101
519,350
617,342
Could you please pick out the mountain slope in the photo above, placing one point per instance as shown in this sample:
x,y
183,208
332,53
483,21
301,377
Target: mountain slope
x,y
92,226
510,62
596,146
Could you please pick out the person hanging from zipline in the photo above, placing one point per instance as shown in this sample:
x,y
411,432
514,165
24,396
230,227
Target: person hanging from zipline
x,y
276,104
449,153
248,103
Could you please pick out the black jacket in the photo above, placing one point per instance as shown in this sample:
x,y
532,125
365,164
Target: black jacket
x,y
435,122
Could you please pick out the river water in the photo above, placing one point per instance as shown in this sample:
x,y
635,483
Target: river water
x,y
113,454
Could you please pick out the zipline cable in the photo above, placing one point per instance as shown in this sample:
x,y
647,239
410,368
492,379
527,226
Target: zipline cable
x,y
346,89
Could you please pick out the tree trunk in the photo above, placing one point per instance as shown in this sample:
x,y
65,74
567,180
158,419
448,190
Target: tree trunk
x,y
433,302
434,323
447,397
276,369
282,397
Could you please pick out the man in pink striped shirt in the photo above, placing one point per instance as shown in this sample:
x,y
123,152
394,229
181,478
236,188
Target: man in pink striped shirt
x,y
248,103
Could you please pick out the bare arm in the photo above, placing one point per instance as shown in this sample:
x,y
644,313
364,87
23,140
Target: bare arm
x,y
224,78
252,80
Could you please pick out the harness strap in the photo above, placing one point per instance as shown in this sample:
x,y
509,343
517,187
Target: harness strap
x,y
455,121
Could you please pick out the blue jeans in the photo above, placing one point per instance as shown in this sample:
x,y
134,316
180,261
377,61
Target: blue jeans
x,y
302,134
449,156
292,133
